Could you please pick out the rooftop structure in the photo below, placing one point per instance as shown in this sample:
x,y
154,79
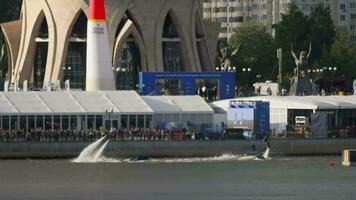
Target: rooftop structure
x,y
87,110
284,109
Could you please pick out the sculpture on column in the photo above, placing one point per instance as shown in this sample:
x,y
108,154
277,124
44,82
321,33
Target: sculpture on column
x,y
301,63
301,83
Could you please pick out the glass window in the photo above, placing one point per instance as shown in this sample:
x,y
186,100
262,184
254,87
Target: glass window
x,y
115,123
171,47
39,65
141,121
5,122
124,121
83,122
65,122
80,27
75,68
91,121
169,29
48,122
73,122
149,121
57,122
23,122
40,62
132,121
172,57
98,121
31,122
130,65
14,122
39,122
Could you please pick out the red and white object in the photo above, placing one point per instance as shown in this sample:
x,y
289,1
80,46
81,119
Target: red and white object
x,y
99,68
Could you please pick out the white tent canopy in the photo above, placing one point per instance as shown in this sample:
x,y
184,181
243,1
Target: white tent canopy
x,y
79,102
279,106
298,102
177,104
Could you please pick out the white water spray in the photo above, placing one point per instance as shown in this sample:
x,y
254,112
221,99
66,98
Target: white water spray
x,y
93,152
266,153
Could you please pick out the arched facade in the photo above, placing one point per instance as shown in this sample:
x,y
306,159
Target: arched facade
x,y
172,48
40,59
129,55
74,68
137,34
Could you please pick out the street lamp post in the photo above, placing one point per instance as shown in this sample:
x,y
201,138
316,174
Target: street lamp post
x,y
258,76
66,76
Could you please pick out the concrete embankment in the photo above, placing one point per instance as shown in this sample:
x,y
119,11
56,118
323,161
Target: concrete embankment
x,y
178,148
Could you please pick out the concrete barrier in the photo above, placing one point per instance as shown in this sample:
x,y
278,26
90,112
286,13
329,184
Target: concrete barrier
x,y
178,148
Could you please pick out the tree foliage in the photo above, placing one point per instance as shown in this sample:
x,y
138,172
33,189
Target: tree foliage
x,y
257,50
291,30
299,30
330,46
341,54
322,31
9,10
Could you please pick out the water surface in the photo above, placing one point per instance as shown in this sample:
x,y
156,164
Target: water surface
x,y
196,179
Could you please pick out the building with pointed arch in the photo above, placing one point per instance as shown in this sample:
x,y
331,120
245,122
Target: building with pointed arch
x,y
48,42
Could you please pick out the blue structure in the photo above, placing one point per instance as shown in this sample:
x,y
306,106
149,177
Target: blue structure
x,y
250,115
187,82
262,120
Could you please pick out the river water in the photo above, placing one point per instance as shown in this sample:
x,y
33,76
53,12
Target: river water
x,y
168,179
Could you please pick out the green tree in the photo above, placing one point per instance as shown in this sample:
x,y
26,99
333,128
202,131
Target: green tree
x,y
292,29
9,10
299,30
257,51
322,31
342,54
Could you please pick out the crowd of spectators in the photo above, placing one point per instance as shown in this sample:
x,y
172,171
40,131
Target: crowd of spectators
x,y
41,135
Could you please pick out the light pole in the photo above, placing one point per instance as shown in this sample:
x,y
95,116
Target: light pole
x,y
66,71
258,76
38,74
247,72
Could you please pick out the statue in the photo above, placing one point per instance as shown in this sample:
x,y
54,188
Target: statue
x,y
301,62
301,83
224,57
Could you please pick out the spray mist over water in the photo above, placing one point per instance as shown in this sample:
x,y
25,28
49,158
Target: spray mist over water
x,y
93,152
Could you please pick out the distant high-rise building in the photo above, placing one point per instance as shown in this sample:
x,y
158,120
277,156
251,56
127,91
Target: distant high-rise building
x,y
233,13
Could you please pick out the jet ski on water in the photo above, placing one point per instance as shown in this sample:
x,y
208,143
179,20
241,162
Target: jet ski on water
x,y
140,158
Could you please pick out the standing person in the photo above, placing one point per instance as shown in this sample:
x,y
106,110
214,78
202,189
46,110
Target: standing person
x,y
236,91
215,93
269,91
259,91
240,93
203,89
